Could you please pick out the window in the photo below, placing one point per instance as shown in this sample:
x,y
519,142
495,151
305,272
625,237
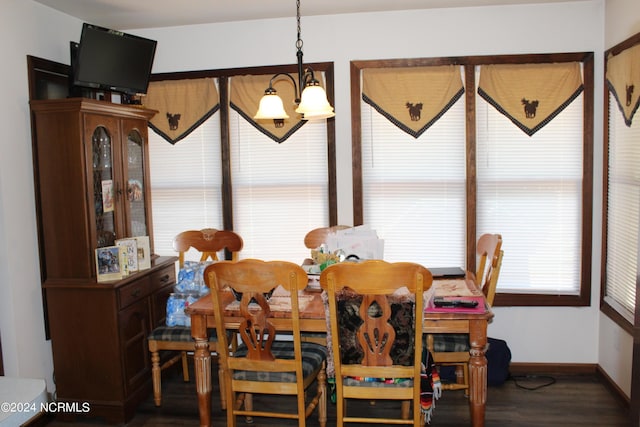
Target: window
x,y
534,180
232,176
188,196
280,191
622,201
475,172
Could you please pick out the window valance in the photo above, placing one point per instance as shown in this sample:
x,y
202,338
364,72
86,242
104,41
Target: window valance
x,y
530,95
182,106
246,92
623,79
412,98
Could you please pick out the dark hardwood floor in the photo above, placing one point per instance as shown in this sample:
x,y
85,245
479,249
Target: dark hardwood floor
x,y
572,400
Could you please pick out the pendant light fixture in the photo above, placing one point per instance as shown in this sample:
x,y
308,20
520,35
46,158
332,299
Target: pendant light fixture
x,y
312,102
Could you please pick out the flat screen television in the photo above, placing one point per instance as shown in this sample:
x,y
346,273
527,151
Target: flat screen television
x,y
111,60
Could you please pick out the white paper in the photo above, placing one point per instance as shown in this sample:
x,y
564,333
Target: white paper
x,y
360,241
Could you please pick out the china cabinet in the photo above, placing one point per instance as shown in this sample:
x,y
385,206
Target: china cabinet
x,y
92,188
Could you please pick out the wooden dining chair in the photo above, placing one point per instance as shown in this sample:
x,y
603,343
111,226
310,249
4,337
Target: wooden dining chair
x,y
208,242
316,237
453,349
262,364
312,240
376,356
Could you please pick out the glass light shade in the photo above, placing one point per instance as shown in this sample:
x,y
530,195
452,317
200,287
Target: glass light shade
x,y
314,104
271,107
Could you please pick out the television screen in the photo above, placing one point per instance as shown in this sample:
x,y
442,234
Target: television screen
x,y
112,60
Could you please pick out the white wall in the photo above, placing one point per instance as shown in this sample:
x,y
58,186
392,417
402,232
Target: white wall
x,y
544,335
25,28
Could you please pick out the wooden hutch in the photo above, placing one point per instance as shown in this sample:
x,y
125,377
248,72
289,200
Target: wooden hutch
x,y
91,164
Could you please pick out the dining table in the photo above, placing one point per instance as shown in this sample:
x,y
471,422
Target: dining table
x,y
313,319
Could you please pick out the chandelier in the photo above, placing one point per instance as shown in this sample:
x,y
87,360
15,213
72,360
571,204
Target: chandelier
x,y
311,98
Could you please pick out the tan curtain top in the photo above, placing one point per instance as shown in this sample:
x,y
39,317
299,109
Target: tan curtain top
x,y
246,92
182,106
530,95
623,79
412,98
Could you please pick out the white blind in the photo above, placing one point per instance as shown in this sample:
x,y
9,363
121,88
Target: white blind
x,y
529,189
280,191
414,189
185,184
623,212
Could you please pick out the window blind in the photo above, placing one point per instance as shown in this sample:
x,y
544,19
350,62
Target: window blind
x,y
185,184
623,213
280,191
414,188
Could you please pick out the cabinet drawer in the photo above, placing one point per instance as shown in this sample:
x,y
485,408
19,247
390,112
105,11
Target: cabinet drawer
x,y
132,292
162,278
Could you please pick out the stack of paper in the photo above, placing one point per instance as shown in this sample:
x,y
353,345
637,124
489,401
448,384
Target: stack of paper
x,y
361,241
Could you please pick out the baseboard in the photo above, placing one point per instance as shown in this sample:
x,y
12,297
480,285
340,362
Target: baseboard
x,y
40,420
553,368
572,369
613,387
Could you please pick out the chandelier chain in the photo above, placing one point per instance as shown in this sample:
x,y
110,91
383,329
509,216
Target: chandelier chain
x,y
299,41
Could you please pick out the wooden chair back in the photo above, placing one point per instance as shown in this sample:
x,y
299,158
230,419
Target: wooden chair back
x,y
253,281
318,236
489,251
376,284
208,241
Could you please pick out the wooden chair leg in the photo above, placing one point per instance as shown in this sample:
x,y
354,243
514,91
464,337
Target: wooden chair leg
x,y
185,367
322,408
405,411
248,405
223,390
465,370
156,378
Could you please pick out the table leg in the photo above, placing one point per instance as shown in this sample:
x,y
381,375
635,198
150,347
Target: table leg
x,y
477,371
202,360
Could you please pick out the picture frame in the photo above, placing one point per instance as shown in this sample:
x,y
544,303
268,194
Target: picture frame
x,y
131,250
144,252
109,263
107,196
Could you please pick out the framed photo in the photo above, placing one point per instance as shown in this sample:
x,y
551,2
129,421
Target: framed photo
x,y
107,195
144,252
130,246
109,263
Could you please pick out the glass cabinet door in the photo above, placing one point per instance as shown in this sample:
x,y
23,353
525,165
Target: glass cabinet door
x,y
135,184
103,187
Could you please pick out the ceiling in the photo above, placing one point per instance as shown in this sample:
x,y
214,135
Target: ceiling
x,y
138,14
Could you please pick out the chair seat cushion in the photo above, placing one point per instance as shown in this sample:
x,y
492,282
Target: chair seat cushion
x,y
313,355
377,382
176,333
451,342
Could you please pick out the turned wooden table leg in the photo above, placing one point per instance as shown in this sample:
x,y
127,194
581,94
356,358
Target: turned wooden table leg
x,y
202,361
478,371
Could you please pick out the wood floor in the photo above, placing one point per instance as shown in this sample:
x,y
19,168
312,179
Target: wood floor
x,y
572,400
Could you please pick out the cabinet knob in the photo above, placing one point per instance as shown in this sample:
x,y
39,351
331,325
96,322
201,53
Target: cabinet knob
x,y
137,292
165,278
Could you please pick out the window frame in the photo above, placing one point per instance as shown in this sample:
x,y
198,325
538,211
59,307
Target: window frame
x,y
469,63
605,307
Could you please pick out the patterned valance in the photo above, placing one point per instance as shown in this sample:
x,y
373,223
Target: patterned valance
x,y
412,98
530,95
246,92
623,79
182,106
